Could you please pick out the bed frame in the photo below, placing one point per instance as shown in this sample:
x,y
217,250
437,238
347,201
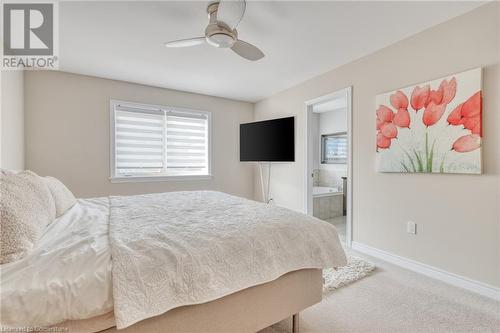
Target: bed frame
x,y
247,311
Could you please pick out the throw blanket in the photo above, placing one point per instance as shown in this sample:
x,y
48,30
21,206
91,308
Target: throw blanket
x,y
182,248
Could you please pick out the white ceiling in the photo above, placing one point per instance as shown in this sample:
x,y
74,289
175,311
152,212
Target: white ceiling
x,y
301,39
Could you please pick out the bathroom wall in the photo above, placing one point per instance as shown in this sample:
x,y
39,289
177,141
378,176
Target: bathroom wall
x,y
334,121
316,142
331,122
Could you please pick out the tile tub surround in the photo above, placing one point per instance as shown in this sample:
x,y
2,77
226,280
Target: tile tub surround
x,y
316,177
328,206
330,174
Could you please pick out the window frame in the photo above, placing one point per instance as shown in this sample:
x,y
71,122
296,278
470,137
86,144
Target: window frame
x,y
114,178
325,160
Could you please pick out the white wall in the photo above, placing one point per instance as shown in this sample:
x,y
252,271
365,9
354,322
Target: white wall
x,y
458,216
12,120
67,133
333,122
316,140
329,122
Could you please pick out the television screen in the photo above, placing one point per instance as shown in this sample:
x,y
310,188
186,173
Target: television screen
x,y
268,141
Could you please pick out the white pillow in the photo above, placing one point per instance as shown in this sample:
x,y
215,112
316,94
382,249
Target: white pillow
x,y
26,208
63,198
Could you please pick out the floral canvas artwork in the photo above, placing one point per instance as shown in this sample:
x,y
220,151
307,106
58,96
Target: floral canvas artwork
x,y
432,127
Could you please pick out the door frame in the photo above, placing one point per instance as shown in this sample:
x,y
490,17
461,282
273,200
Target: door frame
x,y
308,199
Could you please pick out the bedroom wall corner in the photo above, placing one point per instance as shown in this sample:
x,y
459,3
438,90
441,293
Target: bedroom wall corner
x,y
458,216
68,131
12,120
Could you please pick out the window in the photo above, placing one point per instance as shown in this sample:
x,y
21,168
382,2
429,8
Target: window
x,y
334,148
152,142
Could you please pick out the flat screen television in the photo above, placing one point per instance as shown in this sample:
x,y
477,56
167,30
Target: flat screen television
x,y
268,141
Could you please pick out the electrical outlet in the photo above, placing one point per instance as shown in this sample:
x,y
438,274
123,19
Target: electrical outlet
x,y
411,228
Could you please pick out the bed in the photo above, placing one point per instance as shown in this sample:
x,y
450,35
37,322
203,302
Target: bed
x,y
248,310
199,261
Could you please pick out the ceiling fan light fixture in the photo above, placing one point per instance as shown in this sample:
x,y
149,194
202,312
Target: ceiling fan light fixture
x,y
223,17
221,40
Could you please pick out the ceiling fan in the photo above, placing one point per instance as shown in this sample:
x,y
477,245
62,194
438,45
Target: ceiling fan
x,y
224,16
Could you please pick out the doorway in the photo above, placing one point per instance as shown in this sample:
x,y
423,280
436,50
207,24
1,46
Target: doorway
x,y
328,175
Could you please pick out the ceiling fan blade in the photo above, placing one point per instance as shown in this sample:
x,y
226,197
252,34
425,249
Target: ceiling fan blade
x,y
230,12
247,51
186,42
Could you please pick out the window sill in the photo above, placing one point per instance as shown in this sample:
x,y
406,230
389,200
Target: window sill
x,y
142,179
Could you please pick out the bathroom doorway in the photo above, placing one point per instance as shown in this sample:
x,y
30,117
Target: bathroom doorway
x,y
329,161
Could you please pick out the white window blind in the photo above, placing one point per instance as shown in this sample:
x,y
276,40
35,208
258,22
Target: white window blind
x,y
334,148
186,146
159,142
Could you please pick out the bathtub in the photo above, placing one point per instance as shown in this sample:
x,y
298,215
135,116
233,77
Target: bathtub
x,y
327,202
324,191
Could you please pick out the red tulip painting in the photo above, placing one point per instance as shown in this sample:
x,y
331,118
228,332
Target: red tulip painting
x,y
432,127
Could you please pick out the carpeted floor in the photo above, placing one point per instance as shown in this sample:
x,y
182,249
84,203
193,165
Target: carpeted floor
x,y
394,300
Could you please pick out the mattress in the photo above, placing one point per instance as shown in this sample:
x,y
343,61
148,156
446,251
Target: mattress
x,y
176,249
66,276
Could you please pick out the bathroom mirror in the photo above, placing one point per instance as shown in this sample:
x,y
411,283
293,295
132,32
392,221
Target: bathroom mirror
x,y
334,148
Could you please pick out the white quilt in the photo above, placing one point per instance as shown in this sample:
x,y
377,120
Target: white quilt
x,y
181,248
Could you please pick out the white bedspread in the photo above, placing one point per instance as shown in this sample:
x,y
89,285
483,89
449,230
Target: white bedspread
x,y
181,248
66,276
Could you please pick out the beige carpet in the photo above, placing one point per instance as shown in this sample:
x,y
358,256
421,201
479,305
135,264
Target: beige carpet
x,y
394,300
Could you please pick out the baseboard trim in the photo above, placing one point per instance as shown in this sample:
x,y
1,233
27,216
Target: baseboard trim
x,y
430,271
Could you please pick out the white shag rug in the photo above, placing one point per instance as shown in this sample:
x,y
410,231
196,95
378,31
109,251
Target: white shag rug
x,y
355,269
